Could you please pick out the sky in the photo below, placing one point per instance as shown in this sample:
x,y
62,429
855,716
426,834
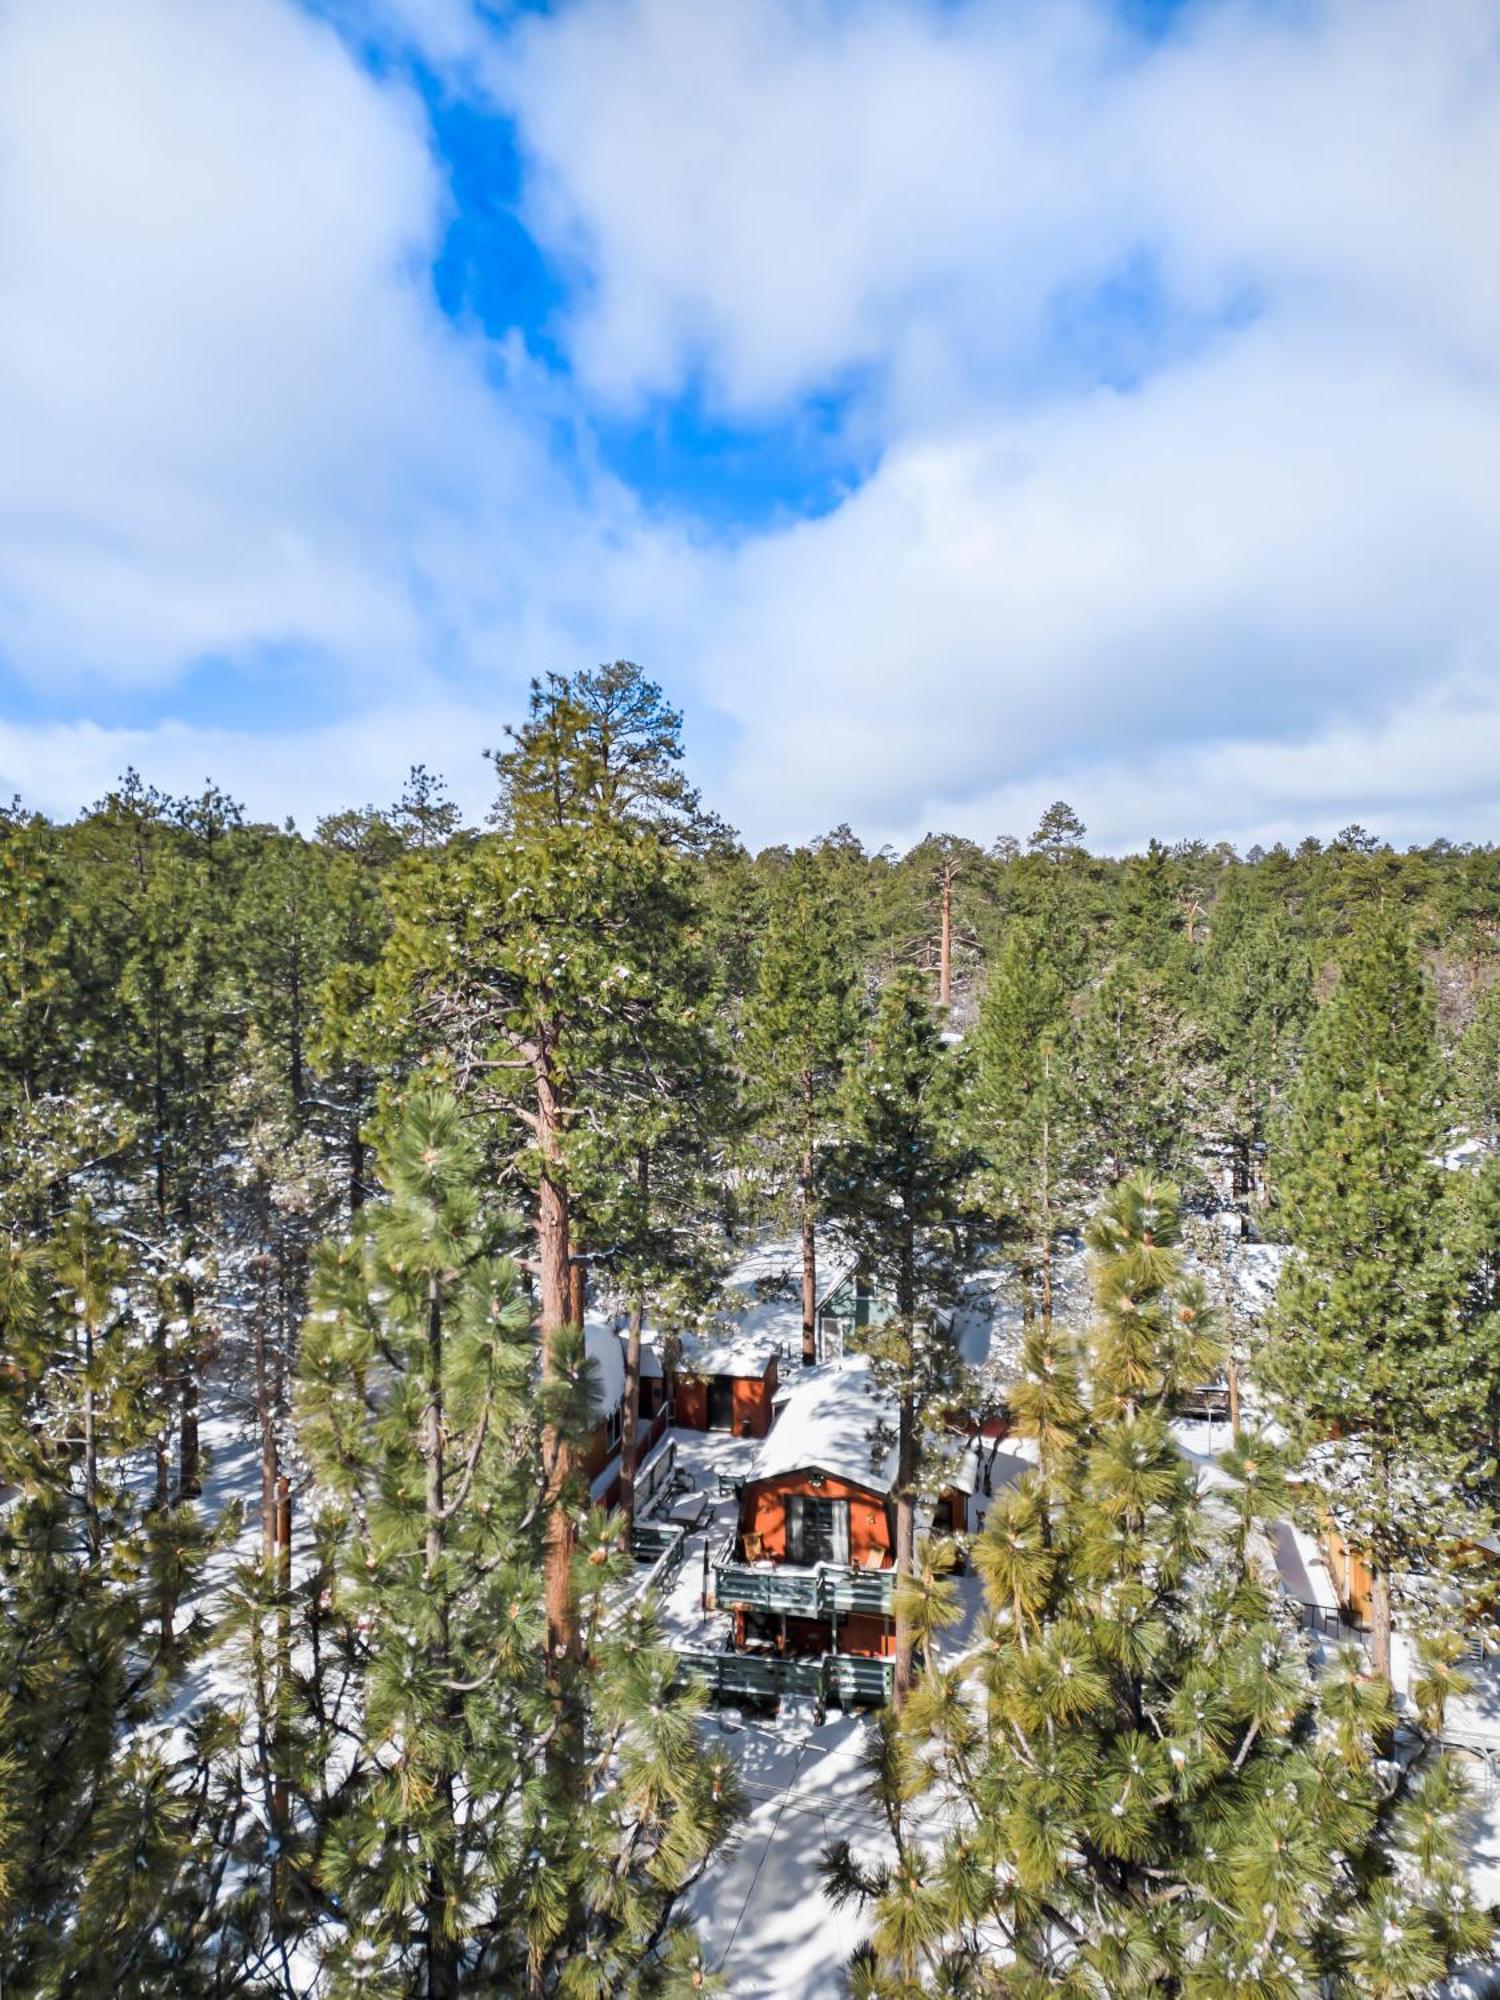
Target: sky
x,y
954,404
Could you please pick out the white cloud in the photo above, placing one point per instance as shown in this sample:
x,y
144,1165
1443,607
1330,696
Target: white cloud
x,y
360,760
235,420
1294,517
780,192
234,417
1426,768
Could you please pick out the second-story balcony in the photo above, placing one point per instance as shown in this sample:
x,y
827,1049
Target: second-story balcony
x,y
822,1590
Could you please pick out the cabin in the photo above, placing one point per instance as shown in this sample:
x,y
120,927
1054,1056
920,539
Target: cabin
x,y
724,1384
812,1566
604,1346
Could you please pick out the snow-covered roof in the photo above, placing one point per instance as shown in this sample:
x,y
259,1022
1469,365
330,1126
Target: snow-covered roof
x,y
606,1350
827,1423
768,1280
741,1352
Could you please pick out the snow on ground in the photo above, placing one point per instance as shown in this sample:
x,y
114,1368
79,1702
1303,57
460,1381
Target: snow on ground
x,y
700,1458
761,1912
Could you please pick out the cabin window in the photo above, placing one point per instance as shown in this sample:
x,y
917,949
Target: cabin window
x,y
720,1403
816,1530
613,1425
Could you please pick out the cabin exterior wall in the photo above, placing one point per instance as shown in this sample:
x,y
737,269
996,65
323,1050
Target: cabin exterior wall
x,y
751,1402
763,1514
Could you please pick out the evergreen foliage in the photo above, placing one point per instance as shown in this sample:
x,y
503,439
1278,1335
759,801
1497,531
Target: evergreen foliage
x,y
1137,1786
801,1019
471,1846
1364,1357
260,1773
896,1189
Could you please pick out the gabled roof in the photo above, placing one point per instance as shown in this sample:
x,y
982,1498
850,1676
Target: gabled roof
x,y
828,1419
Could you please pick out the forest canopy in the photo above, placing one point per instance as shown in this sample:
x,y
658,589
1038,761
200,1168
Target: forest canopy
x,y
341,1131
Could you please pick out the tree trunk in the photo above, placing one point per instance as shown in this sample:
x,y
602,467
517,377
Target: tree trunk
x,y
269,1457
807,1200
906,1510
356,1143
90,1453
1380,1622
557,1451
189,1458
945,941
281,1726
442,1951
630,1409
578,1288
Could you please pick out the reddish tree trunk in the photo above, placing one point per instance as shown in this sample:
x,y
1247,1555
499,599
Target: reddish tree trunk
x,y
809,1229
555,1299
630,1409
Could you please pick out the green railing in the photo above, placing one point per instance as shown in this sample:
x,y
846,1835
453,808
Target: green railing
x,y
860,1589
826,1591
843,1679
663,1544
852,1681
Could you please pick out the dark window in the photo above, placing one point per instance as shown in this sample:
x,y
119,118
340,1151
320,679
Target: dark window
x,y
816,1530
720,1403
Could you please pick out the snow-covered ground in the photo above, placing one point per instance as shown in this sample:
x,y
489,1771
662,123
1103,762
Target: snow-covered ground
x,y
760,1908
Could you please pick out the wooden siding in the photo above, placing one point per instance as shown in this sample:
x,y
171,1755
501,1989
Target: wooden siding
x,y
763,1513
751,1403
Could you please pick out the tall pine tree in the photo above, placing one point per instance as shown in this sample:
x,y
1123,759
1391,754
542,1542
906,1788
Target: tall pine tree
x,y
896,1191
1360,1357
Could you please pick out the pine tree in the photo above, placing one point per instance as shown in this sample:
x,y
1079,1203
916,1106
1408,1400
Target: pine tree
x,y
105,1862
1258,1003
1059,832
1360,1359
895,1189
473,1846
1020,1110
544,967
1135,1786
1135,1068
801,1017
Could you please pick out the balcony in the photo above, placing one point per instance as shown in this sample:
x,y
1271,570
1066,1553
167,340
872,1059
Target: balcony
x,y
844,1680
828,1590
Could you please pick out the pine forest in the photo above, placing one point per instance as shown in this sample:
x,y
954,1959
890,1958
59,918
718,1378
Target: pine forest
x,y
587,1412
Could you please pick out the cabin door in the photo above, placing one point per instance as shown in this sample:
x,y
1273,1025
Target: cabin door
x,y
720,1403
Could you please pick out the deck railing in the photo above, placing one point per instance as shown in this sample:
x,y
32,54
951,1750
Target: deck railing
x,y
842,1679
663,1544
828,1590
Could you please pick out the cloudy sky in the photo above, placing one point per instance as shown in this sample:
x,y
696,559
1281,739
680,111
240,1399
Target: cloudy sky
x,y
954,403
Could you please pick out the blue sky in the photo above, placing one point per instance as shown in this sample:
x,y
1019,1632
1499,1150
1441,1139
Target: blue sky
x,y
955,403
